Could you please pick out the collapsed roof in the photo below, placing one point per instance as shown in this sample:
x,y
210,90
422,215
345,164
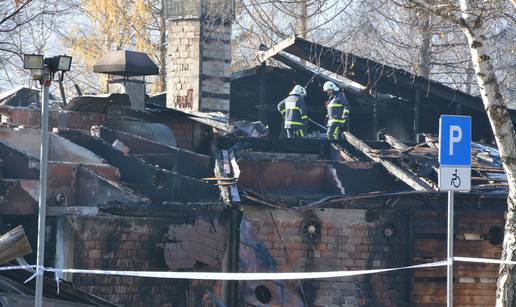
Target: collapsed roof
x,y
383,93
372,74
25,97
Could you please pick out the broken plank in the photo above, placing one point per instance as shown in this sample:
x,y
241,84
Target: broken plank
x,y
395,143
403,175
265,55
14,244
344,154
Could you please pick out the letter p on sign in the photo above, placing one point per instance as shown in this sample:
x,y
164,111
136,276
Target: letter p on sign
x,y
455,153
455,140
455,136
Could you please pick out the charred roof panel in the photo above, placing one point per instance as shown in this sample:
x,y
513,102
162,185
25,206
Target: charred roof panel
x,y
371,73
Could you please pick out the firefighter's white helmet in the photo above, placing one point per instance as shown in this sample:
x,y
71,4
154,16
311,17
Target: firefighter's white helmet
x,y
328,85
298,90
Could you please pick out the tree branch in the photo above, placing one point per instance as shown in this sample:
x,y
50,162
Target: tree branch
x,y
440,11
15,11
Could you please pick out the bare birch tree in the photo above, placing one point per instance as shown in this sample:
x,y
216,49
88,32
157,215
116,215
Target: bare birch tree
x,y
469,16
268,22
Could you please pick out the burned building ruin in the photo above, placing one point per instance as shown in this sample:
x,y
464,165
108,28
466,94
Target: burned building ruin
x,y
173,187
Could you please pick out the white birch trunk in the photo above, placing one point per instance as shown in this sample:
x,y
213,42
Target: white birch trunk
x,y
303,20
162,49
503,129
424,51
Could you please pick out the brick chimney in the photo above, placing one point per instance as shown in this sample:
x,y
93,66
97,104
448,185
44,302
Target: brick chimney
x,y
199,54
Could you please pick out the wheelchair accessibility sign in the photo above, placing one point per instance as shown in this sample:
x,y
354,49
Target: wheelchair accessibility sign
x,y
455,153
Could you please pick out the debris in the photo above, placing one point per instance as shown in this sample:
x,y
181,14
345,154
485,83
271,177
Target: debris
x,y
411,180
245,128
121,146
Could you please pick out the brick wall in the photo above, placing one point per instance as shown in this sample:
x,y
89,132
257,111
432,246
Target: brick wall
x,y
199,73
190,245
57,119
350,239
124,243
184,132
184,57
356,239
191,135
476,235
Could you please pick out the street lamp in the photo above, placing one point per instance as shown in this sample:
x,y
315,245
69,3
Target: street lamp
x,y
48,68
33,61
60,62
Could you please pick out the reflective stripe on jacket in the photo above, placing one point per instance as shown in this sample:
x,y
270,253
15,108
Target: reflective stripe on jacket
x,y
293,110
338,109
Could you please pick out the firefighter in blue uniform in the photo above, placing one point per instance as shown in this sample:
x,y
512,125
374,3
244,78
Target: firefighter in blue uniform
x,y
293,111
338,111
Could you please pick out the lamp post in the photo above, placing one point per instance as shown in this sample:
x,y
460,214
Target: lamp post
x,y
43,171
48,68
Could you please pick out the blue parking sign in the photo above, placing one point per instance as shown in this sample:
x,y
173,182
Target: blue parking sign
x,y
455,140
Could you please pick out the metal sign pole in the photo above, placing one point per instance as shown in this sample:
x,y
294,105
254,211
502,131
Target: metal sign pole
x,y
454,175
449,275
43,164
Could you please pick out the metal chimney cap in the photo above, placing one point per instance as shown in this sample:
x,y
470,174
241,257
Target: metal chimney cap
x,y
126,63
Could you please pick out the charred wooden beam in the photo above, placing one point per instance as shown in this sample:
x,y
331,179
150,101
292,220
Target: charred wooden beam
x,y
234,254
226,167
403,175
179,213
